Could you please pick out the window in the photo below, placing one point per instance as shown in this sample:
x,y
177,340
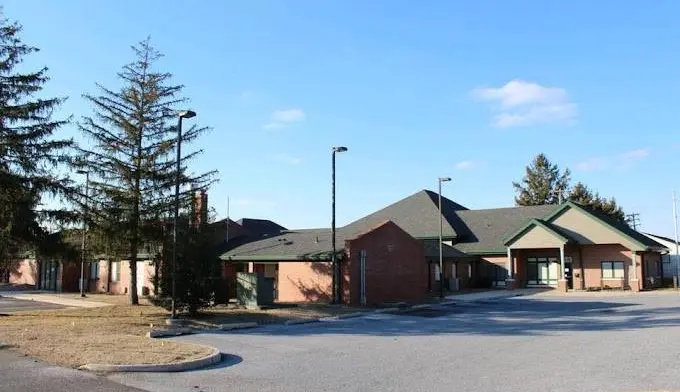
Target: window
x,y
115,271
436,273
612,269
94,270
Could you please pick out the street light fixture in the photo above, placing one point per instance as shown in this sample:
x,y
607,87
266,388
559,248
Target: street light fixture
x,y
441,252
82,244
180,116
334,262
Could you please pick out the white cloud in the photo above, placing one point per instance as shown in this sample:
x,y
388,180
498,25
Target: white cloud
x,y
524,103
287,159
283,118
593,164
636,154
462,165
623,161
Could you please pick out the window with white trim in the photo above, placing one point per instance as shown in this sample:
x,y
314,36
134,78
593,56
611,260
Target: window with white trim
x,y
612,269
437,273
115,271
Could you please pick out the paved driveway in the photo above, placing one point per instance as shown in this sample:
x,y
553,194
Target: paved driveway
x,y
20,374
8,305
518,344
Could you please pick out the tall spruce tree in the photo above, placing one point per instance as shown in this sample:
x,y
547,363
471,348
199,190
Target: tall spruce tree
x,y
132,161
29,153
543,183
581,194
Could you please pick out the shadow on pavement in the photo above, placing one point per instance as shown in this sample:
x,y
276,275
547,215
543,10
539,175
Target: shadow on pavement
x,y
500,317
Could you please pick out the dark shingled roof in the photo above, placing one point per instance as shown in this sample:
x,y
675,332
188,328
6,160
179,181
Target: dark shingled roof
x,y
309,244
432,251
483,231
260,227
417,215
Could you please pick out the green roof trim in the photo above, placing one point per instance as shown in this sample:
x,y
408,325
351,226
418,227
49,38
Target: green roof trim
x,y
570,204
527,227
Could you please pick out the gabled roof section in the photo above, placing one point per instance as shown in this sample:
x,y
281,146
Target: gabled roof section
x,y
260,227
418,215
313,245
662,238
624,230
537,223
484,231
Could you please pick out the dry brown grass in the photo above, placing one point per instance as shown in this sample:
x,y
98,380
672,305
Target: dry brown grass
x,y
276,315
111,334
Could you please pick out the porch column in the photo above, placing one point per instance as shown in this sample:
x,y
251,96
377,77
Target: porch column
x,y
562,284
508,265
510,282
634,282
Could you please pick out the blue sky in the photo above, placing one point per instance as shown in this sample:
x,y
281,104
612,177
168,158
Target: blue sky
x,y
470,90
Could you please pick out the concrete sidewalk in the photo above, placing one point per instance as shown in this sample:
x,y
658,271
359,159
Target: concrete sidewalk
x,y
52,298
493,294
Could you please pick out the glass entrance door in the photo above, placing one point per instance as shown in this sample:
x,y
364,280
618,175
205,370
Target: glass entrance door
x,y
542,271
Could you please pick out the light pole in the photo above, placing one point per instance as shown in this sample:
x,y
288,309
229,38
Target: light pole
x,y
334,262
82,244
181,115
441,252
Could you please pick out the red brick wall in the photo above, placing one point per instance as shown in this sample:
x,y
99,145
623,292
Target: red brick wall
x,y
593,255
304,281
395,266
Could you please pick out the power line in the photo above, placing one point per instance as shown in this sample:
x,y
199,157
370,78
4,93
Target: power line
x,y
633,220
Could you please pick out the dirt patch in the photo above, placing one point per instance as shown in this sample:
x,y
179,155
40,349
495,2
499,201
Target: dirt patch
x,y
112,335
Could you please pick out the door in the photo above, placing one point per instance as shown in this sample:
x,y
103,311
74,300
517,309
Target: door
x,y
542,271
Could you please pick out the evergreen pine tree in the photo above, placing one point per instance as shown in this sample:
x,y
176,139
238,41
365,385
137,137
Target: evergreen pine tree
x,y
132,161
543,183
581,194
29,153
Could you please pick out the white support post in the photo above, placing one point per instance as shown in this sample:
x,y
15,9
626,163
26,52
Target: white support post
x,y
634,263
508,266
562,266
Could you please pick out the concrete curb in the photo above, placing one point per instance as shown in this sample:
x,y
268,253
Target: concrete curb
x,y
421,306
160,333
211,359
233,326
302,321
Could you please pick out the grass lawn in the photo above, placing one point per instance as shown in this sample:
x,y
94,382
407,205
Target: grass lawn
x,y
112,334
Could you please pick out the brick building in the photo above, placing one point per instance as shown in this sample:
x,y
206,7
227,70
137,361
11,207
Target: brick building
x,y
393,254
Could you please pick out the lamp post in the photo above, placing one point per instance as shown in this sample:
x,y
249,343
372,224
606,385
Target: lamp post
x,y
84,238
181,115
334,262
441,253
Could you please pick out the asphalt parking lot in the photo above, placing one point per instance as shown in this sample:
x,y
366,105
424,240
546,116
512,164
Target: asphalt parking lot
x,y
9,305
627,343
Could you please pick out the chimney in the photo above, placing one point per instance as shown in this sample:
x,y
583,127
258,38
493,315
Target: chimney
x,y
200,210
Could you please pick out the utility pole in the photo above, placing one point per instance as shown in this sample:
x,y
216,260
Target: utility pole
x,y
633,220
677,254
227,220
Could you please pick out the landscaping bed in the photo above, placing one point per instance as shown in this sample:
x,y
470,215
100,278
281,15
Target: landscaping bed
x,y
277,314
